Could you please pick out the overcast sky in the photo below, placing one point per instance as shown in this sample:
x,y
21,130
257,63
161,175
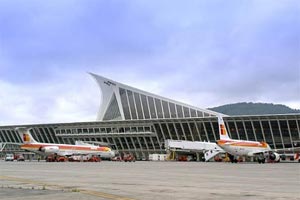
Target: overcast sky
x,y
204,53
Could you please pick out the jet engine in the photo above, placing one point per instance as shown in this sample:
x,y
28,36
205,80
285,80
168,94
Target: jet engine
x,y
49,149
274,157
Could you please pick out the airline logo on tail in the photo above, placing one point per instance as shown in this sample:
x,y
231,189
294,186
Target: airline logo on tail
x,y
223,129
26,137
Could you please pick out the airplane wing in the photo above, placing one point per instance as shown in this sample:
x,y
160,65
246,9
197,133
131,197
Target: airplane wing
x,y
260,152
68,154
212,153
274,151
102,144
287,149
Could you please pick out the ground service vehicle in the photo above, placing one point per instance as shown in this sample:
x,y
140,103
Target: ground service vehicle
x,y
117,158
19,157
9,157
74,158
128,157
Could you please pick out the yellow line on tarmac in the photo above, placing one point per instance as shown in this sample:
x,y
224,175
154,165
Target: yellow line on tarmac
x,y
83,191
28,181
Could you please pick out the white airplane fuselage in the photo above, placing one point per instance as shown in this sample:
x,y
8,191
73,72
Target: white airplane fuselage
x,y
67,149
30,144
243,147
260,150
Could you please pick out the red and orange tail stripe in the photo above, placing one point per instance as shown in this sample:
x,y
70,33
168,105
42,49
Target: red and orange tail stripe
x,y
223,130
26,137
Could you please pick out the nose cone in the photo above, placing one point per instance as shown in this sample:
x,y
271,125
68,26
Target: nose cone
x,y
113,154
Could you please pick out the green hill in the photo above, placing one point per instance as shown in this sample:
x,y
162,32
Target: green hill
x,y
253,109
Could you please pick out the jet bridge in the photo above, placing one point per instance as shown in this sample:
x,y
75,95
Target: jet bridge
x,y
209,149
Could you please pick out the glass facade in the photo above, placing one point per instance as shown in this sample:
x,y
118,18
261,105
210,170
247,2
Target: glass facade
x,y
166,110
113,112
143,137
140,106
122,102
152,108
125,104
139,122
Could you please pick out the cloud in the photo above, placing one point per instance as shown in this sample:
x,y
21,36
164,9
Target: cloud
x,y
67,98
205,53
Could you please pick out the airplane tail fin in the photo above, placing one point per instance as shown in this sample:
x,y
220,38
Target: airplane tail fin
x,y
222,129
25,135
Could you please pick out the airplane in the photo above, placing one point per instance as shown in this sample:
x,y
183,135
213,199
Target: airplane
x,y
80,148
259,150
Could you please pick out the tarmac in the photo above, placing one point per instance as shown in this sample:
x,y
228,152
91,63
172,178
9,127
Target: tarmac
x,y
148,180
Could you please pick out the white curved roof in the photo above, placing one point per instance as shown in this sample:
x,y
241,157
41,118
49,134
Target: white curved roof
x,y
123,102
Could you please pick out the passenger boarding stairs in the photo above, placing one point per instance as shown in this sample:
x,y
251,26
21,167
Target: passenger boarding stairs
x,y
208,155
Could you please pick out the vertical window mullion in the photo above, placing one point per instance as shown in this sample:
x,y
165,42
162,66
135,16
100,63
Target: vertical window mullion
x,y
128,104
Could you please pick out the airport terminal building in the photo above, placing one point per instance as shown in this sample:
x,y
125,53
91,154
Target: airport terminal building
x,y
139,122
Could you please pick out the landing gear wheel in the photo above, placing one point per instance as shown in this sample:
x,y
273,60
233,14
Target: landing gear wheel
x,y
261,160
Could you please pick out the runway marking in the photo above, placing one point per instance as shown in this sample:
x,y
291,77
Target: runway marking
x,y
68,188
